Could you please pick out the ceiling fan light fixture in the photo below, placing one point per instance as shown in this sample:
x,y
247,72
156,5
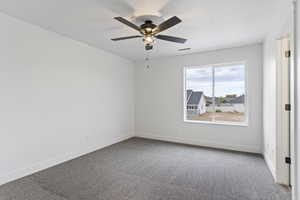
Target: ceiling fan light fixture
x,y
148,39
150,32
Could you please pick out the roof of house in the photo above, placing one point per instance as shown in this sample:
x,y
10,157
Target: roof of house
x,y
239,99
228,99
231,100
195,97
188,94
210,100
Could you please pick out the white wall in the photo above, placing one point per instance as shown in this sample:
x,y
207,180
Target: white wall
x,y
59,98
269,103
159,101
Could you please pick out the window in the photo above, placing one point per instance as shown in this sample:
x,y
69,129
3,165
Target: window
x,y
216,94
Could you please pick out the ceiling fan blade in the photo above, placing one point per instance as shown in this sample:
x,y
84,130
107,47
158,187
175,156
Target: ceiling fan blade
x,y
128,23
148,47
125,38
171,38
167,24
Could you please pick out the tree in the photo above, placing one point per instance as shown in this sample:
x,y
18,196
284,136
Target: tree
x,y
231,95
222,100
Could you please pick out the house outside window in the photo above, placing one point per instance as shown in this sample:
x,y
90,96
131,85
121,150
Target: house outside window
x,y
216,94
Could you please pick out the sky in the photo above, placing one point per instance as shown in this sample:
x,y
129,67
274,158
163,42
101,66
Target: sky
x,y
228,80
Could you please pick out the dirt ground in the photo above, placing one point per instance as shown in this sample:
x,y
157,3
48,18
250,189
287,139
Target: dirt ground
x,y
219,116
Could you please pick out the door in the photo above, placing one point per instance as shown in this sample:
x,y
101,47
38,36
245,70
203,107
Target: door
x,y
283,112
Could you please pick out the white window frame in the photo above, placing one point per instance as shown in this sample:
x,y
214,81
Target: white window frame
x,y
245,123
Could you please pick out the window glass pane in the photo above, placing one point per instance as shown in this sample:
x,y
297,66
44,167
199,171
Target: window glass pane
x,y
230,93
199,105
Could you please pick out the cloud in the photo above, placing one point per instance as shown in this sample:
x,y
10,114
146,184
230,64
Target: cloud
x,y
228,80
200,74
230,74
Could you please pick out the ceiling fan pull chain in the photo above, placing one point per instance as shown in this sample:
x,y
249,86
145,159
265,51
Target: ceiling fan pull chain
x,y
147,59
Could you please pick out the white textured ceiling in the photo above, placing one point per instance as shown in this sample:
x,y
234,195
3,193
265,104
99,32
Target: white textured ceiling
x,y
207,24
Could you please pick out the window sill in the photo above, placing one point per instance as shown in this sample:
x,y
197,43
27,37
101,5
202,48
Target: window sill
x,y
243,124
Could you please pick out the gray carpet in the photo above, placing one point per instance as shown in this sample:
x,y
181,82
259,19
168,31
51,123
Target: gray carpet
x,y
140,169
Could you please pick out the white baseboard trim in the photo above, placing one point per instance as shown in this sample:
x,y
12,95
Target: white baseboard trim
x,y
241,148
270,166
19,173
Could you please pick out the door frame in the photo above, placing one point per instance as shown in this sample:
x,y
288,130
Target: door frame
x,y
296,87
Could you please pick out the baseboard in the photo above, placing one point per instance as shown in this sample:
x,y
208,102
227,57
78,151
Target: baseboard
x,y
14,175
241,148
270,166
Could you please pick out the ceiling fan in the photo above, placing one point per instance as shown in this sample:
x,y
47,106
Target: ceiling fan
x,y
149,31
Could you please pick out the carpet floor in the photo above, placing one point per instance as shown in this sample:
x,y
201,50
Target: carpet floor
x,y
141,169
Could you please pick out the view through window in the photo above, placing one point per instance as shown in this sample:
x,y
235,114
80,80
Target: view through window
x,y
216,93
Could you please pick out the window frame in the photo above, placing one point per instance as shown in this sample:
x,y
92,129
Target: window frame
x,y
244,123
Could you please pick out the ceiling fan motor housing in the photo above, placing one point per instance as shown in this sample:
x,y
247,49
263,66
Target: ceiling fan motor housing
x,y
147,27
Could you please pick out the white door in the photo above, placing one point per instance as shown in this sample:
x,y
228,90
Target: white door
x,y
283,112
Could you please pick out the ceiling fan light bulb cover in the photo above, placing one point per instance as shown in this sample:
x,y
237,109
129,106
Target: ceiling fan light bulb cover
x,y
148,30
148,40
